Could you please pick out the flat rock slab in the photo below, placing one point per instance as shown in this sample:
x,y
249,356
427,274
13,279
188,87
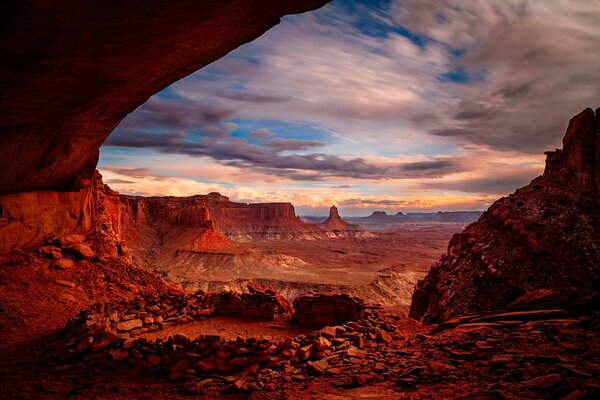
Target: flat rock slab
x,y
523,316
543,382
126,326
65,283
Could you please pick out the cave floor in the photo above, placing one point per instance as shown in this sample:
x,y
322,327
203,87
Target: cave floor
x,y
231,327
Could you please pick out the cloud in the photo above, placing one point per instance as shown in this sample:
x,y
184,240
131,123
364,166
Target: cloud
x,y
410,99
262,133
342,187
279,145
539,61
276,156
141,181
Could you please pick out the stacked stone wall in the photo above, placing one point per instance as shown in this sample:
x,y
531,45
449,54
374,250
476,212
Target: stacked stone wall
x,y
108,334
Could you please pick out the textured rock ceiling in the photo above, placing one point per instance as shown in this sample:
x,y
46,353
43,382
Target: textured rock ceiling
x,y
73,69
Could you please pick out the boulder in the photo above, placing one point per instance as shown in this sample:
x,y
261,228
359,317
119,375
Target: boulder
x,y
126,326
64,263
71,240
82,251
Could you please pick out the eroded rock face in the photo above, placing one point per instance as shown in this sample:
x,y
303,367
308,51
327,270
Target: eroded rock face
x,y
30,217
74,70
544,236
236,220
209,239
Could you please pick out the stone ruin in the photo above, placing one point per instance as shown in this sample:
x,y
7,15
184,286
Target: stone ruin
x,y
106,334
326,309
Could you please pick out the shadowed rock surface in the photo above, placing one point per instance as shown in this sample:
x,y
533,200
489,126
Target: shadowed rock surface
x,y
544,236
73,70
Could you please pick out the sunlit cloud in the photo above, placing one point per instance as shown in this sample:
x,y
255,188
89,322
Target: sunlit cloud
x,y
413,104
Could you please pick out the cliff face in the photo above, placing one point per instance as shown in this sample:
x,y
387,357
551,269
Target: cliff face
x,y
544,236
28,218
73,70
261,220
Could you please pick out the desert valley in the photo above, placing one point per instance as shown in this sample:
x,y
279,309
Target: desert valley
x,y
418,282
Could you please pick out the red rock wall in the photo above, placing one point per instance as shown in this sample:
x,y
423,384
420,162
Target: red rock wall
x,y
74,69
28,218
228,216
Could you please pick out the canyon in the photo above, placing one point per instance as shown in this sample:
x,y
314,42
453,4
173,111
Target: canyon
x,y
504,305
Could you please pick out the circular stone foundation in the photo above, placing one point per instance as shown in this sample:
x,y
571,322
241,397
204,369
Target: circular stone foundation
x,y
186,335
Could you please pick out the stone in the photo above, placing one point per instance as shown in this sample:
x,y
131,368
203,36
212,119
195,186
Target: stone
x,y
62,282
154,360
64,263
383,337
119,354
289,352
51,252
84,344
321,344
181,365
103,342
207,365
543,382
71,240
359,380
328,332
252,369
82,251
176,376
66,297
126,326
319,366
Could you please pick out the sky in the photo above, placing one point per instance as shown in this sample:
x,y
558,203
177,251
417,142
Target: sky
x,y
402,105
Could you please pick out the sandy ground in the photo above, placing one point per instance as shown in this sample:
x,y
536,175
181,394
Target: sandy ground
x,y
232,327
406,249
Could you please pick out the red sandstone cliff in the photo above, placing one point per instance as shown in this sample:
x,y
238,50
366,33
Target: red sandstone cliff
x,y
237,220
208,239
544,236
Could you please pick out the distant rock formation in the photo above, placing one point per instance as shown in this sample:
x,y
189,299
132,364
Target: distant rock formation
x,y
544,236
335,222
238,221
337,227
378,214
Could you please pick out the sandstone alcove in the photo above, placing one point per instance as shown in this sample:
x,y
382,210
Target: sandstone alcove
x,y
78,68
